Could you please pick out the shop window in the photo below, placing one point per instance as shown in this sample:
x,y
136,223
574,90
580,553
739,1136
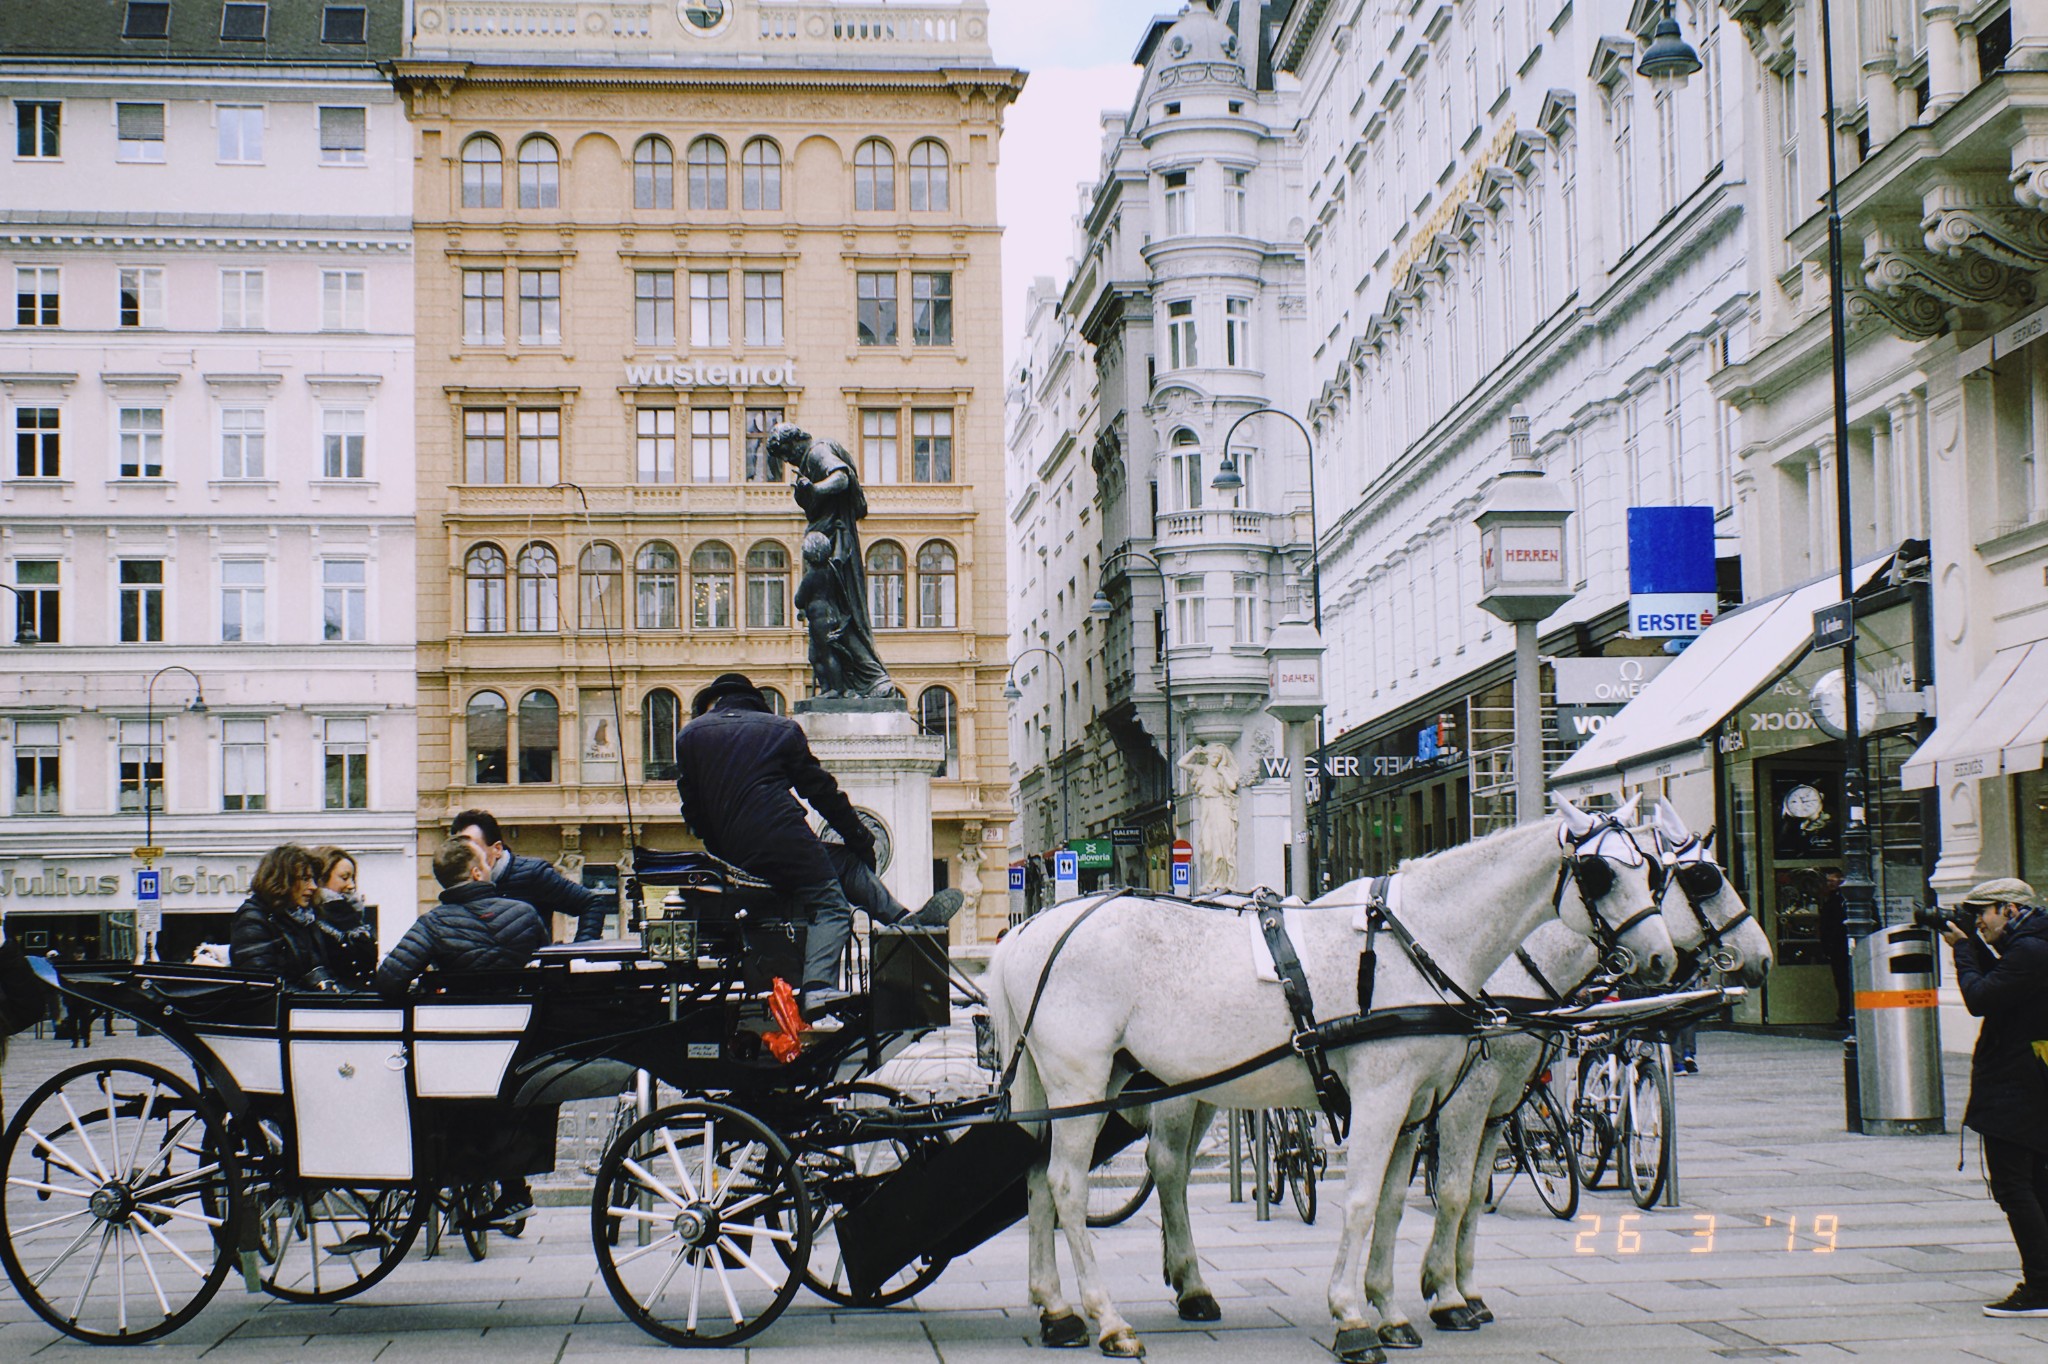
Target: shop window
x,y
540,737
486,723
2030,818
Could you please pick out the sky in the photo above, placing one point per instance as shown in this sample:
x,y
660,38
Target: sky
x,y
1078,54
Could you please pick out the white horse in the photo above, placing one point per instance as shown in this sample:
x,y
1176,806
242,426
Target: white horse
x,y
1708,923
1144,984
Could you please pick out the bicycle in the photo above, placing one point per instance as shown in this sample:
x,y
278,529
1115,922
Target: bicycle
x,y
1119,1186
1624,1095
1538,1142
1295,1159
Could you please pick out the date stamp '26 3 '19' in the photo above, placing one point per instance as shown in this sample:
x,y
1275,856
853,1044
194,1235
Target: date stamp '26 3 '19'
x,y
1626,1237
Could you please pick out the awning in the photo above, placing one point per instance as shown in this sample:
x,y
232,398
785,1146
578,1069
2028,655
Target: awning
x,y
2002,727
1664,731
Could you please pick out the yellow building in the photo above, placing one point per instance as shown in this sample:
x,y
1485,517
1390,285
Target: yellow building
x,y
644,236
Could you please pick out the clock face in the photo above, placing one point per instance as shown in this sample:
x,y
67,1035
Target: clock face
x,y
885,848
1828,703
1803,802
703,15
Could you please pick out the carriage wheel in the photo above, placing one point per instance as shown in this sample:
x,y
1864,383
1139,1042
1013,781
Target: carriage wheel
x,y
121,1189
1542,1141
1119,1186
1644,1134
845,1174
718,1188
324,1244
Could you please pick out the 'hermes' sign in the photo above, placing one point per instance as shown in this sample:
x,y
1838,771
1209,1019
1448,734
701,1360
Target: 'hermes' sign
x,y
712,374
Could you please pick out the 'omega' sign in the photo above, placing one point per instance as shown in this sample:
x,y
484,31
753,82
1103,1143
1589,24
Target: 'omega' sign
x,y
712,374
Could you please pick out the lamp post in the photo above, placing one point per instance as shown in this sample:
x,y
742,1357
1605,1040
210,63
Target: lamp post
x,y
24,633
1229,480
1523,577
148,852
1011,693
1102,606
1294,695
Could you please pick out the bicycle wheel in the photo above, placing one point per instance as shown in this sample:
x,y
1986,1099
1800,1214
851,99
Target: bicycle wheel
x,y
1119,1186
1592,1129
1543,1146
1306,1163
1276,1155
470,1207
722,1187
326,1243
1644,1137
121,1185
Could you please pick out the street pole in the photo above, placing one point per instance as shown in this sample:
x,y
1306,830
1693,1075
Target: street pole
x,y
1859,894
1528,725
1297,811
1011,693
146,791
1102,606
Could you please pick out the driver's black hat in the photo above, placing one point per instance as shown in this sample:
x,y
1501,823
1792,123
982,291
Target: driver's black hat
x,y
724,685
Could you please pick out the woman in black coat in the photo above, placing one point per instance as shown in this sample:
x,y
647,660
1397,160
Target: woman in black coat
x,y
277,929
340,910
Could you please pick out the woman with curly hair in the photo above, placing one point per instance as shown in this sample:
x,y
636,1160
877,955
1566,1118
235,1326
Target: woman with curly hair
x,y
277,928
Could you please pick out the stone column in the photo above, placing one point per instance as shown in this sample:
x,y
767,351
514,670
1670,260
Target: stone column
x,y
1881,97
1821,506
2029,36
1883,492
1944,56
2037,453
1909,458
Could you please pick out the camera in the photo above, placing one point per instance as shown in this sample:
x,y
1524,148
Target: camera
x,y
1938,917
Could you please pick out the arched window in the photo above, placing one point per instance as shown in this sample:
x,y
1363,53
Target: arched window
x,y
600,574
1187,468
483,172
711,574
930,177
661,715
767,586
776,704
483,573
485,722
938,715
938,574
540,737
656,577
654,173
761,175
707,173
540,173
539,599
874,175
885,585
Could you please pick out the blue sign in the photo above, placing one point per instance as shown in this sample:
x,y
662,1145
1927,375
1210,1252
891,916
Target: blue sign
x,y
1183,877
1671,580
1017,878
146,887
1066,866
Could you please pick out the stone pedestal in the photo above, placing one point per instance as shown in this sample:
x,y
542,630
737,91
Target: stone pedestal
x,y
885,766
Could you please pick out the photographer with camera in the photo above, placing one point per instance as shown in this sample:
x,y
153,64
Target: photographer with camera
x,y
2000,939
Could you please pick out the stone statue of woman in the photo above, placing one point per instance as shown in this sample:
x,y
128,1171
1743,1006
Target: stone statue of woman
x,y
834,587
1213,781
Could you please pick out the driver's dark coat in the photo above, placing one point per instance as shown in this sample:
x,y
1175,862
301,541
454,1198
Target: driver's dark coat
x,y
737,765
2009,991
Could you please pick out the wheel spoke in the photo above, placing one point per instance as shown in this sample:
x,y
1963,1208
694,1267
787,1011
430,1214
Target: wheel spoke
x,y
770,1233
40,1187
175,1182
675,1158
167,1244
747,1262
168,1211
710,1194
653,1183
84,1140
141,1130
43,1144
120,1267
661,1285
50,1222
732,1304
696,1293
148,1268
62,1256
92,1275
163,1152
636,1215
651,1246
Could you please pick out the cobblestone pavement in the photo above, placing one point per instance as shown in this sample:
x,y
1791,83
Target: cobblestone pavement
x,y
1916,1248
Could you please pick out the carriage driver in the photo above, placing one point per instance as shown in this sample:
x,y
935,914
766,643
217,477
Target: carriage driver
x,y
737,764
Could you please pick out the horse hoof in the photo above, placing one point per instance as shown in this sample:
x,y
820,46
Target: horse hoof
x,y
1123,1343
1200,1307
1481,1313
1359,1345
1062,1331
1459,1318
1400,1336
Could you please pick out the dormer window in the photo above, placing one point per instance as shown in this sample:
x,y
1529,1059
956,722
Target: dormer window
x,y
243,22
1173,108
344,24
147,19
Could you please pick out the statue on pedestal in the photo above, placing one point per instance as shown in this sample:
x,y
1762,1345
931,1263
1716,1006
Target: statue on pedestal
x,y
1213,781
832,593
970,876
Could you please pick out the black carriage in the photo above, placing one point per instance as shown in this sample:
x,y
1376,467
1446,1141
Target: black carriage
x,y
314,1133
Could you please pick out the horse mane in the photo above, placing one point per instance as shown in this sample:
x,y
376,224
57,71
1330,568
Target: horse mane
x,y
1445,870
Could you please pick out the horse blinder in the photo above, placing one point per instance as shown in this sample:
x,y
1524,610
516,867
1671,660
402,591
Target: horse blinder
x,y
1699,880
1594,875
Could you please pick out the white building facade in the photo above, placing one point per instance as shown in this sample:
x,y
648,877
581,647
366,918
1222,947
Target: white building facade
x,y
1502,216
1184,313
206,378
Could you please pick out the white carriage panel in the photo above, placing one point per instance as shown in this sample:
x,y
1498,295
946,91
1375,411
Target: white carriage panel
x,y
346,1020
506,1019
349,1098
461,1070
257,1063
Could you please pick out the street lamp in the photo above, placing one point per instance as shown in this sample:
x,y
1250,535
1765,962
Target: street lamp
x,y
1010,693
1102,606
198,707
1523,577
1228,479
1859,894
24,633
1669,61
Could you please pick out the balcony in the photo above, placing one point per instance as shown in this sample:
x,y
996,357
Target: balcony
x,y
1215,526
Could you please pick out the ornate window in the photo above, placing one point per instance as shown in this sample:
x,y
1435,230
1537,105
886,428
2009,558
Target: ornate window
x,y
767,587
538,572
761,175
656,575
483,172
600,573
886,585
485,719
540,737
654,173
707,173
484,580
711,575
938,574
661,716
540,174
874,176
930,177
938,715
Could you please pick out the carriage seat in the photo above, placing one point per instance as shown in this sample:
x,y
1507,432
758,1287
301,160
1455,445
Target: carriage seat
x,y
711,886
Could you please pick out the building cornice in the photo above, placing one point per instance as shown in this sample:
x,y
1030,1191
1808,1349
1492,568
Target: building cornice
x,y
446,75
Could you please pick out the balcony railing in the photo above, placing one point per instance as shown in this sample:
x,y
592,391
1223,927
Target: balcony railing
x,y
1226,525
807,27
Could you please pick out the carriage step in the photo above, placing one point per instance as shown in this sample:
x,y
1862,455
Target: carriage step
x,y
358,1244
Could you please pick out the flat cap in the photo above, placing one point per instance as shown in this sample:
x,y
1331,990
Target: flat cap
x,y
2004,890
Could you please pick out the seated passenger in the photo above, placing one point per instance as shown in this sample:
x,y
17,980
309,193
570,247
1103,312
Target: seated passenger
x,y
474,928
277,929
340,908
532,880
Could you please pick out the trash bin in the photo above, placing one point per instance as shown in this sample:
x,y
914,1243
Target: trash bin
x,y
1898,1049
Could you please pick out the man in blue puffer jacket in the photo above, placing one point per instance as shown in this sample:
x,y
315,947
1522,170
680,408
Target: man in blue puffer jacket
x,y
531,879
474,928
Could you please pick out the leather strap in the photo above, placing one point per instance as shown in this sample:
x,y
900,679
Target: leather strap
x,y
1301,1007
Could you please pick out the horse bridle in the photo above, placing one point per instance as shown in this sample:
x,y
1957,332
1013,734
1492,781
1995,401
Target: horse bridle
x,y
1592,873
1699,878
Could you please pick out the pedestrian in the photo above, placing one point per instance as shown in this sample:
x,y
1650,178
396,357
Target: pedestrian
x,y
277,928
1834,945
339,909
532,880
2000,939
